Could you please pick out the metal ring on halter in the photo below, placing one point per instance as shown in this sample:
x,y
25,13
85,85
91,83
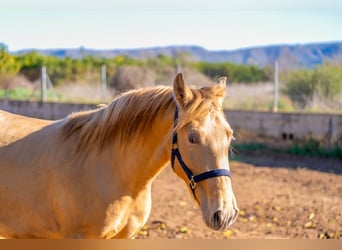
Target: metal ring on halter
x,y
192,183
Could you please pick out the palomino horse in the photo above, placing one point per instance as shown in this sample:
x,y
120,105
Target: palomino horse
x,y
89,175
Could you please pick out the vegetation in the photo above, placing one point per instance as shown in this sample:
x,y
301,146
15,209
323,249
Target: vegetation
x,y
59,69
7,62
321,86
309,147
21,93
314,147
71,70
236,73
319,89
250,146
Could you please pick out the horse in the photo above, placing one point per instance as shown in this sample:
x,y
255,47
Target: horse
x,y
89,175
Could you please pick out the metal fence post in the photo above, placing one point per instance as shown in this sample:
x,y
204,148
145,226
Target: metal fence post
x,y
275,95
43,84
103,82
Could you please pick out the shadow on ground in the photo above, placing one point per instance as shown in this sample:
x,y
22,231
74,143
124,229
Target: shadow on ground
x,y
280,159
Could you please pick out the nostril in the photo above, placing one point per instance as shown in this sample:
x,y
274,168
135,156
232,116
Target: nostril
x,y
218,219
234,217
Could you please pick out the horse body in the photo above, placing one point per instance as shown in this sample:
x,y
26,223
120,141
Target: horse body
x,y
81,197
89,176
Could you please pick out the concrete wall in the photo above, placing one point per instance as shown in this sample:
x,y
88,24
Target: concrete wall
x,y
282,126
287,126
43,110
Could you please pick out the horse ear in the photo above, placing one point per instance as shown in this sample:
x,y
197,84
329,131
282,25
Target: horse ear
x,y
219,89
181,91
222,81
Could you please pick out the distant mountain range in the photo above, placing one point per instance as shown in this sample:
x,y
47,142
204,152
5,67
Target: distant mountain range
x,y
288,56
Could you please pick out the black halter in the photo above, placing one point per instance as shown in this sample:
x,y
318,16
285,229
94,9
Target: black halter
x,y
193,179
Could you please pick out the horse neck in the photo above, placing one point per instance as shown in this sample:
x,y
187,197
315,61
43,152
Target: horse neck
x,y
143,162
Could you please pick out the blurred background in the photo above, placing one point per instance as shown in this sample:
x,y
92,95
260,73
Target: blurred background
x,y
92,51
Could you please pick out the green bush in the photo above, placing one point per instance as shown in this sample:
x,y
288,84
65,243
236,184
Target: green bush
x,y
300,87
66,69
7,63
17,93
72,69
236,73
323,84
328,79
313,147
250,146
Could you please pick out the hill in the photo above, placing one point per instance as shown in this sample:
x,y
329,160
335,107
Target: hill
x,y
289,56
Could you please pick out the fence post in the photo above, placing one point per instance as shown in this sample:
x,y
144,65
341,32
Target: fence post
x,y
43,84
275,94
103,82
178,68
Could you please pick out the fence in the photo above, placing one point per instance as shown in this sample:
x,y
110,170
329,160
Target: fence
x,y
287,126
42,110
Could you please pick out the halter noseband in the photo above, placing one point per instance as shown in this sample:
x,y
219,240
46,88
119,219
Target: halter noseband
x,y
193,179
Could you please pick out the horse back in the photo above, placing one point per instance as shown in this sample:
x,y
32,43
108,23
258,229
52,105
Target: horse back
x,y
14,127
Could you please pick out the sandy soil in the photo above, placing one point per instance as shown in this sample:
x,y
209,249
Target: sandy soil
x,y
275,202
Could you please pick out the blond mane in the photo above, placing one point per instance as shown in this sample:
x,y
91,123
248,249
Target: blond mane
x,y
132,114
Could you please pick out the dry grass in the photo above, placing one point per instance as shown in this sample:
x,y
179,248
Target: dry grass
x,y
238,96
74,92
255,97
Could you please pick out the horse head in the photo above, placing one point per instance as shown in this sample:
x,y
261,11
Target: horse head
x,y
200,144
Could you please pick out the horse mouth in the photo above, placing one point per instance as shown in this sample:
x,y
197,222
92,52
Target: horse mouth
x,y
222,220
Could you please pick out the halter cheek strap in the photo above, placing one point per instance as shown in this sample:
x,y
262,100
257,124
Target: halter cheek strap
x,y
193,179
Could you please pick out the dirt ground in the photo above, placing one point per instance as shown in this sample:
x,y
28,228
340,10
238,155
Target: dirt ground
x,y
275,202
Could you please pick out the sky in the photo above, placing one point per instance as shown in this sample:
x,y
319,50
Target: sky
x,y
214,24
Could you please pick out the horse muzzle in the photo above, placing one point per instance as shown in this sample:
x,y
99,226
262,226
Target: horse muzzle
x,y
223,219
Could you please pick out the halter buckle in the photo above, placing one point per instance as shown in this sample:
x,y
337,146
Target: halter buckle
x,y
192,183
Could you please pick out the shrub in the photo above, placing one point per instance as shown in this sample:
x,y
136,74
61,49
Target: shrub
x,y
130,77
236,73
321,85
300,88
313,147
7,63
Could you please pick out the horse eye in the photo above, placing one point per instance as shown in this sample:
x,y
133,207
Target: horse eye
x,y
193,139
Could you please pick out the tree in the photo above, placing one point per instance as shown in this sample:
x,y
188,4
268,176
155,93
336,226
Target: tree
x,y
7,62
